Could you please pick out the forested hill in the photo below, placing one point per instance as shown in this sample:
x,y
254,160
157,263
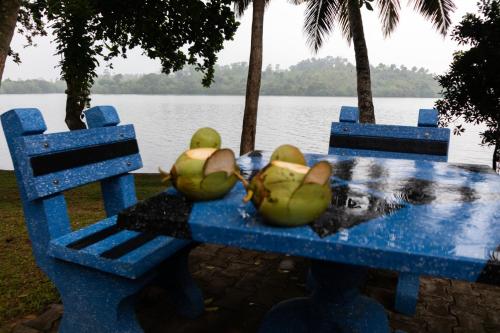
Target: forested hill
x,y
313,77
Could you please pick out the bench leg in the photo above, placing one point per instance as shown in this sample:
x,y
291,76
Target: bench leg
x,y
336,305
310,283
407,293
96,302
177,279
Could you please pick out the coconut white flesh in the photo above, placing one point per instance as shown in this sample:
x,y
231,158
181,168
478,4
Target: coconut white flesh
x,y
200,153
221,160
298,168
320,173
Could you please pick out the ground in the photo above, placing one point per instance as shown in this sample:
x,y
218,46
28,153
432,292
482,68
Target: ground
x,y
239,286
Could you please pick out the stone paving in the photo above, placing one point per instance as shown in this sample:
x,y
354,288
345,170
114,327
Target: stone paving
x,y
240,286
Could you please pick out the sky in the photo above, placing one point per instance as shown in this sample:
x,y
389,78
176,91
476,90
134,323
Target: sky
x,y
414,43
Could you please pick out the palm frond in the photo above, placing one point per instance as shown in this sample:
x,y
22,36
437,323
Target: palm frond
x,y
342,17
389,15
319,21
437,11
240,6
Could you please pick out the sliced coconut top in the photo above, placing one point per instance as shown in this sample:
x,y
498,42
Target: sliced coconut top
x,y
200,153
320,173
298,168
221,160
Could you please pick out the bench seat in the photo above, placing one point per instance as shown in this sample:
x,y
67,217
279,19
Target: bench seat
x,y
105,247
97,270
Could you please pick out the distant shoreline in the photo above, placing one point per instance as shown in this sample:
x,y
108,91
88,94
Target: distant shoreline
x,y
220,95
323,77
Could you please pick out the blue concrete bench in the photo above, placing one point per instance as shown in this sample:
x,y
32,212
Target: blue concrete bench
x,y
425,142
99,269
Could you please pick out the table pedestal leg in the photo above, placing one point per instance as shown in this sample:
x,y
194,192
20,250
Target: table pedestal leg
x,y
407,293
336,305
176,278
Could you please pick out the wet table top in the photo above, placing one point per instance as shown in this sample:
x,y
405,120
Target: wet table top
x,y
423,217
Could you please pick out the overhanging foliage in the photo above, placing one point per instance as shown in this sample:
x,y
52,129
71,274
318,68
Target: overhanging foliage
x,y
471,87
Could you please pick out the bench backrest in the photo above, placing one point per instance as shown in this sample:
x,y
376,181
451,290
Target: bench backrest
x,y
48,164
425,142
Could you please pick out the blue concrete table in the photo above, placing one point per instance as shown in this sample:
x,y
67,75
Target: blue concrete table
x,y
422,217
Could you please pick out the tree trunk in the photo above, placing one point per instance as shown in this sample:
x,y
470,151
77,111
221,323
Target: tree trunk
x,y
75,103
253,80
8,20
496,157
364,85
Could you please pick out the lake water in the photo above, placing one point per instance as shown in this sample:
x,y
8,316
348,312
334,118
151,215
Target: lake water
x,y
164,124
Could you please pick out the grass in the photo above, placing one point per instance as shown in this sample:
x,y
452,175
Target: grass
x,y
24,289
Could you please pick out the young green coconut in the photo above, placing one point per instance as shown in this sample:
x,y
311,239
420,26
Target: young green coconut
x,y
204,172
287,192
205,137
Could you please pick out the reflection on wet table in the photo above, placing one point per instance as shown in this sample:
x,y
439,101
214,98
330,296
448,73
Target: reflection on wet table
x,y
367,188
413,216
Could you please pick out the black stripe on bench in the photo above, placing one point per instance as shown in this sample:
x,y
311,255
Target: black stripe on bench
x,y
94,238
46,164
397,145
128,246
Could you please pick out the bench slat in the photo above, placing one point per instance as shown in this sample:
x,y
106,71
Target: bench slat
x,y
136,256
43,144
385,154
94,238
400,145
133,243
391,131
64,180
119,244
110,242
154,251
45,164
80,234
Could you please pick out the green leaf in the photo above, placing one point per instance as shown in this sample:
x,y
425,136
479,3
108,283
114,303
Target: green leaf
x,y
389,15
471,88
437,11
319,20
175,32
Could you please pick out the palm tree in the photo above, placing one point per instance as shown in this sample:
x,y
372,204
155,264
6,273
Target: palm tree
x,y
254,72
323,15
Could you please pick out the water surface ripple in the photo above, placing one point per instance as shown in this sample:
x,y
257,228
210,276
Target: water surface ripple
x,y
164,124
